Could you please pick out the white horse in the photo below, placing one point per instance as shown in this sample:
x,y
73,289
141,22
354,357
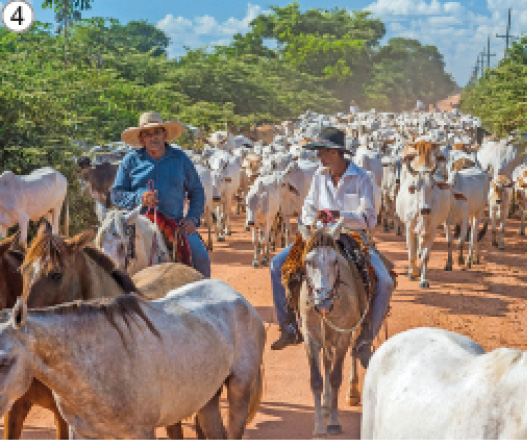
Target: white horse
x,y
147,249
333,304
120,368
432,383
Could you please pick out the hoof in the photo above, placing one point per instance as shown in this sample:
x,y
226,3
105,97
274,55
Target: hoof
x,y
448,267
522,233
210,248
398,232
424,285
410,276
256,264
264,262
221,239
319,434
501,247
334,429
469,264
228,233
352,400
247,228
460,261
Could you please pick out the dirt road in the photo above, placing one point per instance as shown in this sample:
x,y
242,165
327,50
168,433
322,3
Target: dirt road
x,y
486,303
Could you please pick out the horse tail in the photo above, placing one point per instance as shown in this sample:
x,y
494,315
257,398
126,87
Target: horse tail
x,y
256,393
66,217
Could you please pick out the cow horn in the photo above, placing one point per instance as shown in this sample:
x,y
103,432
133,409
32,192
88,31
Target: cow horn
x,y
410,168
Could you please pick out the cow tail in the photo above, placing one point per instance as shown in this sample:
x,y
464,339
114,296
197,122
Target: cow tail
x,y
483,231
256,393
66,217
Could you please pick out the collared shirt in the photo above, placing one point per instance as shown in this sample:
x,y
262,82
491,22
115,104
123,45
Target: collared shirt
x,y
353,197
174,177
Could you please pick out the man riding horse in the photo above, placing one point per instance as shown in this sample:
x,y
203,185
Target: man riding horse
x,y
159,177
339,189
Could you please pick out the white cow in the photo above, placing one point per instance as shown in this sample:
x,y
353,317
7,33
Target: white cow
x,y
472,186
430,383
391,182
205,175
422,204
263,205
24,198
500,197
370,160
226,173
500,158
294,186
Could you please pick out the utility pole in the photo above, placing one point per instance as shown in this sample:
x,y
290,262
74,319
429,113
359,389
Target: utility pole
x,y
482,60
488,53
508,35
476,69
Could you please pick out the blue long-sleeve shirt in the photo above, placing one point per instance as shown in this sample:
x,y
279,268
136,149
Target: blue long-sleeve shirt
x,y
174,177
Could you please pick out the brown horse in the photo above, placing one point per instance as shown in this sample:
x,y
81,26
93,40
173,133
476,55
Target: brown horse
x,y
10,289
69,270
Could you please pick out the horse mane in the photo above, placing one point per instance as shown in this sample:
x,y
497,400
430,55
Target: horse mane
x,y
55,250
127,307
319,238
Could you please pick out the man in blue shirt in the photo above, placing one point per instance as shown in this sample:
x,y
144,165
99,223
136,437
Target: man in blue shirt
x,y
173,177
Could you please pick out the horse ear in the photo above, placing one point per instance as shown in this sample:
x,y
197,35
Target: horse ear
x,y
19,313
100,211
132,215
9,242
44,228
335,230
304,230
81,240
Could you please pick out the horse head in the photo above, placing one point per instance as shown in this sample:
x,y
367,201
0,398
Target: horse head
x,y
52,270
322,269
127,238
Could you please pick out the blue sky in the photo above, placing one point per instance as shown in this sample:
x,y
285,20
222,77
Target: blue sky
x,y
458,28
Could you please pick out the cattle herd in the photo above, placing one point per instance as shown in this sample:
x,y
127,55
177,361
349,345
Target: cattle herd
x,y
430,172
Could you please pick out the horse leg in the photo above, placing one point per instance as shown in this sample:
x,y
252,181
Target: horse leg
x,y
209,419
326,399
335,380
353,396
238,396
14,418
317,386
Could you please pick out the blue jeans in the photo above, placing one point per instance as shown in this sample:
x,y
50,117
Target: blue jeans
x,y
279,299
200,256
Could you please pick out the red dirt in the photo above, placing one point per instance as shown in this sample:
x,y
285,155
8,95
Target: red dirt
x,y
486,303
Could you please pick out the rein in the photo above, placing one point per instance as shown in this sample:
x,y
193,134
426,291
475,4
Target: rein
x,y
150,187
130,245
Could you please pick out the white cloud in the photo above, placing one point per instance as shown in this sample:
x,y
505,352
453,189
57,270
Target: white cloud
x,y
205,30
458,32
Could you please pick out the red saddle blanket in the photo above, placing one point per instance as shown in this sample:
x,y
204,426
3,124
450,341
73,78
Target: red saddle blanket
x,y
174,238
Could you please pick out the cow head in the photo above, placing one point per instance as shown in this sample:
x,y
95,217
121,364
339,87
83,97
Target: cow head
x,y
498,189
422,185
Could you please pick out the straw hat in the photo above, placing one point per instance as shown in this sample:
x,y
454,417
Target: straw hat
x,y
174,129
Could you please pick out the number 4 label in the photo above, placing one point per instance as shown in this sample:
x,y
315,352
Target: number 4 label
x,y
17,15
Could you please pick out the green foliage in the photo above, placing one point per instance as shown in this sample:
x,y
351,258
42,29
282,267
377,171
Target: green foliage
x,y
499,98
404,71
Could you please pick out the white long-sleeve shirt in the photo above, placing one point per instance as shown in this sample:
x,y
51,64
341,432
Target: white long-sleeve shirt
x,y
353,197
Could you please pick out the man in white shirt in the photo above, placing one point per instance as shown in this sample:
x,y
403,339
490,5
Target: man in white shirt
x,y
354,108
345,190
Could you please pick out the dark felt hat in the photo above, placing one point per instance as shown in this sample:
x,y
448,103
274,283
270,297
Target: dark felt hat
x,y
329,137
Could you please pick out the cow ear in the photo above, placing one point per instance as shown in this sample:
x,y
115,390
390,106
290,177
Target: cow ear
x,y
411,189
19,313
442,185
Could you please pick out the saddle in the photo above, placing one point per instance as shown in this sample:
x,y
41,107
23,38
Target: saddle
x,y
351,246
175,240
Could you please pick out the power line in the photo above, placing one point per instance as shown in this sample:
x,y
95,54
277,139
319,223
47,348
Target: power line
x,y
508,35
